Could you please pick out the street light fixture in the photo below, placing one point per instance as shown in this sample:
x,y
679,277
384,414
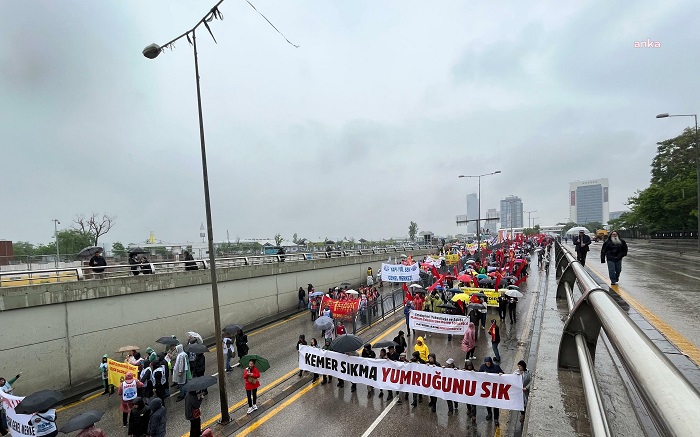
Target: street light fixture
x,y
528,217
478,219
151,52
55,237
697,159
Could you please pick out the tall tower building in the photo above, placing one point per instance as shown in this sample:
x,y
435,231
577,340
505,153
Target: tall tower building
x,y
491,225
512,212
472,212
588,201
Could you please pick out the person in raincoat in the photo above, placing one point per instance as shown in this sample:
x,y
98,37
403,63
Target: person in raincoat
x,y
469,341
152,355
104,372
158,421
128,390
138,419
422,349
527,380
181,369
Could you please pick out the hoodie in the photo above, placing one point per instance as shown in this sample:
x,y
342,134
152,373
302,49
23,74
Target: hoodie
x,y
157,422
180,368
422,349
469,340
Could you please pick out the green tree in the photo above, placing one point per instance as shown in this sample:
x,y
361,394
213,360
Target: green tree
x,y
593,226
23,248
412,230
278,240
70,241
118,249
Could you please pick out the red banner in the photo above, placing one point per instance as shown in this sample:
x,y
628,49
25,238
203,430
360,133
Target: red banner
x,y
340,309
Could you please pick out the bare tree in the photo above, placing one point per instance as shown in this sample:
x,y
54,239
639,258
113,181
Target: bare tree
x,y
95,225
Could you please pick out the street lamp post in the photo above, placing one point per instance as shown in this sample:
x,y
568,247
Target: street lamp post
x,y
478,219
151,52
697,159
55,237
528,217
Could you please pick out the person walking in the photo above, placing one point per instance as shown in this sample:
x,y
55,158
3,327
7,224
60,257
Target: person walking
x,y
490,367
301,342
452,406
181,370
146,378
192,412
512,306
44,423
471,409
158,421
159,371
502,306
469,342
326,378
251,376
302,302
241,344
229,350
432,361
582,244
484,312
199,368
416,358
367,352
495,333
314,343
407,313
128,390
97,260
422,349
138,419
614,249
401,344
527,380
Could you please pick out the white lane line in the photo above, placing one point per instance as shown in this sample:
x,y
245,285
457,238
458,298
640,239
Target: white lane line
x,y
379,419
672,271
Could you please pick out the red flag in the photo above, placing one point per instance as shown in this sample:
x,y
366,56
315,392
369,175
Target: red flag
x,y
407,296
434,271
455,270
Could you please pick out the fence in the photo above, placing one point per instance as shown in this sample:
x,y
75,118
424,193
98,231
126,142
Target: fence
x,y
670,398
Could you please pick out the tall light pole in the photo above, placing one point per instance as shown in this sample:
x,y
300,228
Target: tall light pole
x,y
55,237
151,52
697,159
528,216
478,219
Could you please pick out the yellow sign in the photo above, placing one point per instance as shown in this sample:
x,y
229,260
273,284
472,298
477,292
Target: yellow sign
x,y
491,295
452,259
117,371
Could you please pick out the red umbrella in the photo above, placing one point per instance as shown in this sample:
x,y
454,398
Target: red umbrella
x,y
464,278
451,277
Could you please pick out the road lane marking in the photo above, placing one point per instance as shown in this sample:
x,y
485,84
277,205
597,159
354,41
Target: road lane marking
x,y
684,346
75,404
253,426
381,417
672,271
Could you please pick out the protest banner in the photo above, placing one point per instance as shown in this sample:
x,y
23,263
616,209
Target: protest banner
x,y
18,424
117,371
400,273
476,388
340,309
491,295
438,322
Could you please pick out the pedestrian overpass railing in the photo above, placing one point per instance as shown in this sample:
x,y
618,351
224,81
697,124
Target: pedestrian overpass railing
x,y
672,400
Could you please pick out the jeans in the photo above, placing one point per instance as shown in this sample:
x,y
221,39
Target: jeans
x,y
483,320
494,346
614,269
228,361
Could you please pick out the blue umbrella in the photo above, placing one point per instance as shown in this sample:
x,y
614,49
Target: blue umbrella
x,y
316,294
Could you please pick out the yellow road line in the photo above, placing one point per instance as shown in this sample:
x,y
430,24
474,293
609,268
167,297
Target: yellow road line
x,y
89,398
258,331
675,337
253,426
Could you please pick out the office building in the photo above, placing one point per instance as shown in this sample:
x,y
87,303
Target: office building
x,y
472,212
491,225
512,212
588,201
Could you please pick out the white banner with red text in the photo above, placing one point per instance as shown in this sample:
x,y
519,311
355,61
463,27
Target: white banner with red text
x,y
18,424
438,322
475,388
400,273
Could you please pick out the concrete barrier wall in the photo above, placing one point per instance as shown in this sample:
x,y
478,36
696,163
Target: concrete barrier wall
x,y
57,333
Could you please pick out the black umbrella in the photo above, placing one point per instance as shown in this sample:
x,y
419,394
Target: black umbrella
x,y
329,242
39,401
232,328
382,344
200,383
168,340
196,348
137,250
82,421
89,251
447,306
476,306
346,343
420,290
482,295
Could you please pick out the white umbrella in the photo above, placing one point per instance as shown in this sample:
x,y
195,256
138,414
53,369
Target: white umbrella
x,y
197,336
415,286
514,293
576,229
351,292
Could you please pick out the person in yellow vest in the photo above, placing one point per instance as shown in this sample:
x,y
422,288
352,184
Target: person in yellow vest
x,y
128,390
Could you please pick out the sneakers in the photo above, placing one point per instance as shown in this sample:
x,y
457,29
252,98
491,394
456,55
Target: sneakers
x,y
250,410
255,407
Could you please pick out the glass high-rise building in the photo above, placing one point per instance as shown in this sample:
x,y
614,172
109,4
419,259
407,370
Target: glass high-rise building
x,y
512,212
588,201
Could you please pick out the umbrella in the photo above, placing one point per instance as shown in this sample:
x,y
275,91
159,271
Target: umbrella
x,y
324,323
39,401
168,340
82,421
450,277
513,287
420,290
329,242
316,294
232,328
197,336
454,290
464,278
196,348
200,383
481,295
261,363
382,344
476,306
351,292
137,250
89,251
346,343
448,306
403,255
470,261
514,293
464,297
415,286
345,283
128,348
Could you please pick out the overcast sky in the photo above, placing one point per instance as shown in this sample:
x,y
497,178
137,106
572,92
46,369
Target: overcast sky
x,y
360,130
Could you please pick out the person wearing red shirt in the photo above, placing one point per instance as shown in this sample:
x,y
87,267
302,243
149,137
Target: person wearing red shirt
x,y
340,329
251,376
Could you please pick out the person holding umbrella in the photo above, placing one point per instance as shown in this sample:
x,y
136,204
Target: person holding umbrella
x,y
192,412
251,376
97,261
241,343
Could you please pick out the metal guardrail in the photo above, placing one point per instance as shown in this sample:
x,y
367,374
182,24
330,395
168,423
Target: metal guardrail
x,y
69,274
672,400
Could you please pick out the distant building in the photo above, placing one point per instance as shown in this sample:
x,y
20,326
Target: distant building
x,y
512,212
426,237
6,252
491,225
588,201
615,214
472,212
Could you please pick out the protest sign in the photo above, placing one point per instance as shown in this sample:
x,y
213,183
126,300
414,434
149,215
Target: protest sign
x,y
117,371
340,309
438,322
400,273
18,424
476,388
